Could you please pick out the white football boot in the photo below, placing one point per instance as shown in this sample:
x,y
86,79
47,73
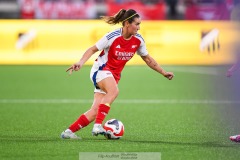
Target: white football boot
x,y
68,134
98,129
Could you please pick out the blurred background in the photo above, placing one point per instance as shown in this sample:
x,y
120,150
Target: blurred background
x,y
59,31
92,9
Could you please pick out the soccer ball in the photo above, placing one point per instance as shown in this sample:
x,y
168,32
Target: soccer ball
x,y
114,129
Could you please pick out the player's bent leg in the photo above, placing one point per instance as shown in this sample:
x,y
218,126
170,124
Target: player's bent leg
x,y
92,112
235,138
84,119
109,86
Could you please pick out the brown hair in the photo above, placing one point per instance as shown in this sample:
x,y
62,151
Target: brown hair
x,y
122,16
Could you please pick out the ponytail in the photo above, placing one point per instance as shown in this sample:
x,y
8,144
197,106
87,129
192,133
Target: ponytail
x,y
122,16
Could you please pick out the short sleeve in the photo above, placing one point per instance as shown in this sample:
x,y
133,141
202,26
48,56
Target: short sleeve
x,y
102,43
142,50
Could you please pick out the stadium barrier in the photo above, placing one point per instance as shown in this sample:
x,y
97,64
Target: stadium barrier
x,y
61,42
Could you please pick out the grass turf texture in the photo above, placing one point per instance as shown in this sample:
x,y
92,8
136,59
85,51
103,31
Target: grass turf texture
x,y
186,129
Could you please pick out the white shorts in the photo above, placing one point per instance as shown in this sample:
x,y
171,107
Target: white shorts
x,y
97,76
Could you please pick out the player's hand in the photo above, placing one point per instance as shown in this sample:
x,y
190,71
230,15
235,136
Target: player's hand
x,y
74,67
169,75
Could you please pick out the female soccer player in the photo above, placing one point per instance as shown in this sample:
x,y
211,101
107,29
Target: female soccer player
x,y
235,16
235,67
117,48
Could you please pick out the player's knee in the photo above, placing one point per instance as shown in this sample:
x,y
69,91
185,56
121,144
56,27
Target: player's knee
x,y
115,93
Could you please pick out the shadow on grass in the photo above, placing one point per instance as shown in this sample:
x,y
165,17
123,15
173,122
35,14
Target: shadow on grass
x,y
199,144
27,139
20,138
30,139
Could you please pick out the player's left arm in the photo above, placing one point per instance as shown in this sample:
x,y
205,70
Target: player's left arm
x,y
155,66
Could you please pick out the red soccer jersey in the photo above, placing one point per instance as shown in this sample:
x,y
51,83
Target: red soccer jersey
x,y
116,52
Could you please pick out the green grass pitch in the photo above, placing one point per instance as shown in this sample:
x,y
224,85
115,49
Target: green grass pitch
x,y
190,117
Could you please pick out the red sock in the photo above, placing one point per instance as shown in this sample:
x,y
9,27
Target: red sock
x,y
81,122
102,113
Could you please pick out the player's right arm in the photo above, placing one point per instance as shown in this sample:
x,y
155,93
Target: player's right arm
x,y
76,66
100,45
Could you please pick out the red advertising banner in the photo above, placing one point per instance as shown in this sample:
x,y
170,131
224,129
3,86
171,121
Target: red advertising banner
x,y
210,10
42,9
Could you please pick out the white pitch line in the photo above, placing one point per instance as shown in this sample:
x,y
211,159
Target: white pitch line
x,y
199,70
121,101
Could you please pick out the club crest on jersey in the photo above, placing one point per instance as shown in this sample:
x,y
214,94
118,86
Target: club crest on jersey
x,y
118,46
